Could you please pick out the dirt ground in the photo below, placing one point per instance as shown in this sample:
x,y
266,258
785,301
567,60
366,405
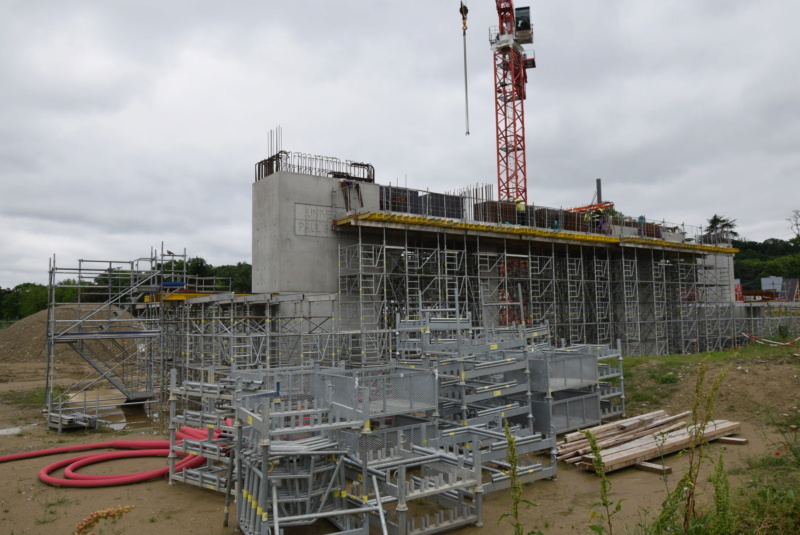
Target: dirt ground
x,y
752,392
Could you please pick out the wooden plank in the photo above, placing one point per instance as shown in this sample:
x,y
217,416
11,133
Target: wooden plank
x,y
652,467
732,440
574,436
618,436
643,442
714,429
612,434
628,439
567,455
656,435
636,423
642,451
619,439
671,445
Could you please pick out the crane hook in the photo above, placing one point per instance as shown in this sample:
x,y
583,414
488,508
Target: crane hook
x,y
463,10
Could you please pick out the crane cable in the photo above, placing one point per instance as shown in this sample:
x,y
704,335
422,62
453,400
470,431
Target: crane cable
x,y
463,10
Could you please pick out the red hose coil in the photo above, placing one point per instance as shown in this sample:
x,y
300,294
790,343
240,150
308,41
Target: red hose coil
x,y
135,448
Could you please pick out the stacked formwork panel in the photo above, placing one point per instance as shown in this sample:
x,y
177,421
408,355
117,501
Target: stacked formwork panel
x,y
577,387
330,443
357,446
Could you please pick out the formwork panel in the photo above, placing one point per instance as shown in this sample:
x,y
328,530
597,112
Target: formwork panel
x,y
555,371
570,410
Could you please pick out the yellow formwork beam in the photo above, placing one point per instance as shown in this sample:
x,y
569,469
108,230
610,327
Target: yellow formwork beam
x,y
441,222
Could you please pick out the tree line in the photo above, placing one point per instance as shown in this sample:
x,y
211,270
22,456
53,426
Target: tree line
x,y
29,297
756,260
771,258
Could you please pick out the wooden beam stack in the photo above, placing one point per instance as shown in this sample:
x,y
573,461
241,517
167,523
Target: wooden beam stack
x,y
638,439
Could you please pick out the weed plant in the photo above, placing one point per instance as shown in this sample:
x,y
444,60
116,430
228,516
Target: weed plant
x,y
112,514
516,486
770,499
681,512
611,508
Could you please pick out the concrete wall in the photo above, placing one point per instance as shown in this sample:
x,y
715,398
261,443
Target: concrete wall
x,y
294,244
723,262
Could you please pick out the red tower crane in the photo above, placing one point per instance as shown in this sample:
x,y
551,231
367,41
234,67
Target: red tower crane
x,y
510,77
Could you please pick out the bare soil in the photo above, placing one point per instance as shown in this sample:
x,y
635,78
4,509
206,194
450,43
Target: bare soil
x,y
754,392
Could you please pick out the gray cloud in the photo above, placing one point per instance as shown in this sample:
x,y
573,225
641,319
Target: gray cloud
x,y
126,125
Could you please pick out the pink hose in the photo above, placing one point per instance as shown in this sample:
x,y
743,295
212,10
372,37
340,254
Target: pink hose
x,y
71,479
141,448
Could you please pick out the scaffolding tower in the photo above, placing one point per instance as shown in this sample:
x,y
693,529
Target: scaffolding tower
x,y
98,315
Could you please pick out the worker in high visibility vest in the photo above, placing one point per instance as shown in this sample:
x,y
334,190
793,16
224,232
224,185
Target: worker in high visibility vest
x,y
597,220
521,211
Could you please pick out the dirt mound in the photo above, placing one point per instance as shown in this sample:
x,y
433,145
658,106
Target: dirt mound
x,y
25,340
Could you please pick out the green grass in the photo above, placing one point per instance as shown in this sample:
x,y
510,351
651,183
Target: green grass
x,y
32,399
769,499
650,381
667,379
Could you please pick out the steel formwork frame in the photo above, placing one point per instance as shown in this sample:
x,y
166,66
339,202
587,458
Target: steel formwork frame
x,y
258,332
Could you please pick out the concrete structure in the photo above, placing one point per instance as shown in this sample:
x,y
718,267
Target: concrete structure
x,y
295,246
384,251
391,335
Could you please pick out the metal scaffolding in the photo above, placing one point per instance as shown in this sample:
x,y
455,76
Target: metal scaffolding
x,y
358,445
655,300
97,314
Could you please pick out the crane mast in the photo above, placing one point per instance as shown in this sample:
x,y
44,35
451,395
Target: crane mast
x,y
510,64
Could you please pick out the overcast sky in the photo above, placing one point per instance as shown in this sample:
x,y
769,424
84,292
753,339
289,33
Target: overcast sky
x,y
128,124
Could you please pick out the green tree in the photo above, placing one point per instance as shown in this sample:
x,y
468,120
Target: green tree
x,y
5,313
241,276
198,267
67,291
748,271
720,229
25,299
